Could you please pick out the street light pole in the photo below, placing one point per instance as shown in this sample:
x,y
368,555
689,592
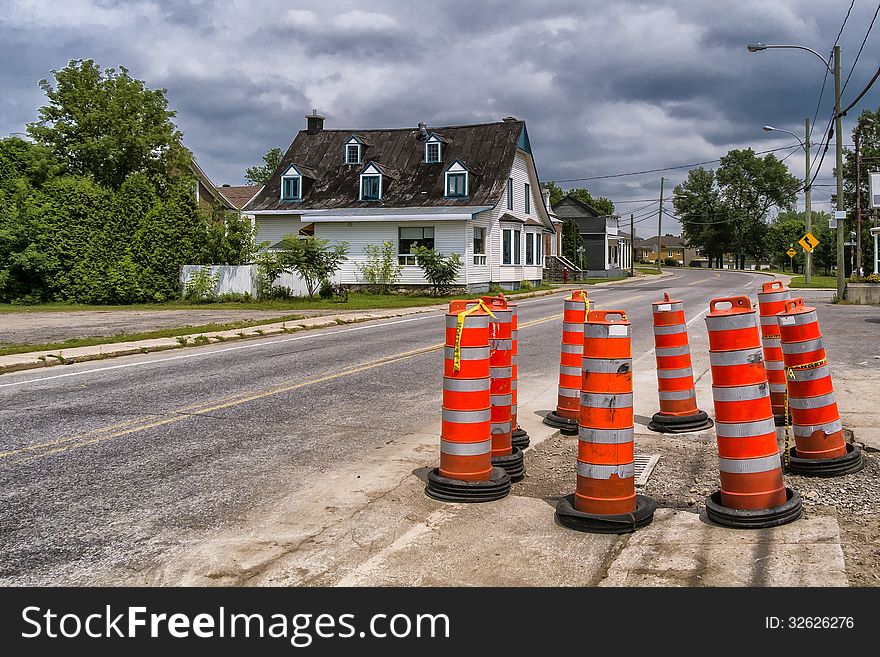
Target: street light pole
x,y
858,203
808,209
838,129
660,225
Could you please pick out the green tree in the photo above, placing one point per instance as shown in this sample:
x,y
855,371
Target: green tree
x,y
440,271
313,258
601,204
230,239
571,240
381,272
700,209
869,153
108,125
785,231
259,175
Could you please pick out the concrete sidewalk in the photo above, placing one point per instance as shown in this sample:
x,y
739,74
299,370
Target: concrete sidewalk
x,y
47,358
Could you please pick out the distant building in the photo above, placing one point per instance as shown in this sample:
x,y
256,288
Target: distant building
x,y
606,251
671,246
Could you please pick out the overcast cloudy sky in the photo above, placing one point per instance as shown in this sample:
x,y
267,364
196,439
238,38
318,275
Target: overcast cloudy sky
x,y
605,87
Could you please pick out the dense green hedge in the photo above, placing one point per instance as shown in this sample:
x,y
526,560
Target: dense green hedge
x,y
64,237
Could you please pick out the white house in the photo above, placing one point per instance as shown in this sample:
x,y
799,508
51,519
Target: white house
x,y
471,190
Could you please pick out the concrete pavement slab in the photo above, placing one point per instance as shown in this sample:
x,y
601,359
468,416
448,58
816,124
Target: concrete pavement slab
x,y
681,548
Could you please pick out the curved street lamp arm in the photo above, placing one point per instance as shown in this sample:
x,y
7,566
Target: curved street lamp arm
x,y
824,61
789,132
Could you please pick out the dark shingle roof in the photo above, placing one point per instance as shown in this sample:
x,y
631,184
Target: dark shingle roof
x,y
238,195
487,149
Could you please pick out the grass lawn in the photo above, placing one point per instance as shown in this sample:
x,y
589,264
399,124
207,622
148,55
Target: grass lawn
x,y
647,270
816,281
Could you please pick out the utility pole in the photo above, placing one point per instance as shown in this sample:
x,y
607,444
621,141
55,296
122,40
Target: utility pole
x,y
808,209
660,225
841,223
632,247
858,264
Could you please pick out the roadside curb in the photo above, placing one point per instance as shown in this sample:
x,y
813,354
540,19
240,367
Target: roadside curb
x,y
42,359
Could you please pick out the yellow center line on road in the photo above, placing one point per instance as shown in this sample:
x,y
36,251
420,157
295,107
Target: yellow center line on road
x,y
142,424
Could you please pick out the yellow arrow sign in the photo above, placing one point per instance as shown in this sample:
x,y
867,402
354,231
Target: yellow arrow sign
x,y
809,242
791,253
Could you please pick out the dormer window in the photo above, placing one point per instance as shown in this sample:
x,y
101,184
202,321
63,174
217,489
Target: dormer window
x,y
457,180
433,150
353,150
371,183
291,185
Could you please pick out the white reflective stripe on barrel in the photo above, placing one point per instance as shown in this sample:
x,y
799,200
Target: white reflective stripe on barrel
x,y
513,384
571,327
606,400
807,430
750,466
672,351
798,318
573,348
803,347
609,331
739,393
500,427
570,371
731,322
751,356
812,374
777,387
467,353
667,306
745,429
502,316
605,436
470,321
676,395
812,402
771,343
769,320
773,365
501,400
501,372
465,449
595,471
670,330
513,409
607,365
569,392
575,305
675,374
466,417
466,385
501,345
770,297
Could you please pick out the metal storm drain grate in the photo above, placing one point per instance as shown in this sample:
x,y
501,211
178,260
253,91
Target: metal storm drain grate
x,y
644,466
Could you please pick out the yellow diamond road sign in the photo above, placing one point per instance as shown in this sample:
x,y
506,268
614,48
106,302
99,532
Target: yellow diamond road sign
x,y
809,242
791,253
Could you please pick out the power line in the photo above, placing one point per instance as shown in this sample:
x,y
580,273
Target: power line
x,y
859,53
863,92
670,168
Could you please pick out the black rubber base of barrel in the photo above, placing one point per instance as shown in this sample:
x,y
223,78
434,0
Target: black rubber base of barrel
x,y
519,438
849,463
513,464
564,424
754,518
619,523
700,421
455,490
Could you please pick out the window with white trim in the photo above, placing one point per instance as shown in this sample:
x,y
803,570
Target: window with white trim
x,y
291,187
517,247
432,152
507,246
353,153
539,249
371,187
528,202
456,184
510,193
479,245
530,249
409,239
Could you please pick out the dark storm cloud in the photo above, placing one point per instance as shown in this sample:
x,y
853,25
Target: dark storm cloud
x,y
604,87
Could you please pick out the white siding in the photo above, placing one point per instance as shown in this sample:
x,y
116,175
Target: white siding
x,y
521,177
478,273
449,237
272,228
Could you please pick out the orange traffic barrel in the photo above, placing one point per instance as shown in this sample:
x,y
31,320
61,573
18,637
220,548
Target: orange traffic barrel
x,y
752,494
605,499
519,437
675,376
771,299
466,473
820,447
504,454
565,417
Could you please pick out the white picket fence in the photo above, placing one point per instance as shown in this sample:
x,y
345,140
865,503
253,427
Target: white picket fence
x,y
243,279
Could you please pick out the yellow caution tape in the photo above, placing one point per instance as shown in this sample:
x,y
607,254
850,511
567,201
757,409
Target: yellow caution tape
x,y
459,326
789,374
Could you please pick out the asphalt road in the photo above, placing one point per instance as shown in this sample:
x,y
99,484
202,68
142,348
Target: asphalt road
x,y
106,469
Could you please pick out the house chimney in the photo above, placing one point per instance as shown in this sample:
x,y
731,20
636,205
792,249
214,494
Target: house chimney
x,y
314,122
510,118
423,131
545,193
